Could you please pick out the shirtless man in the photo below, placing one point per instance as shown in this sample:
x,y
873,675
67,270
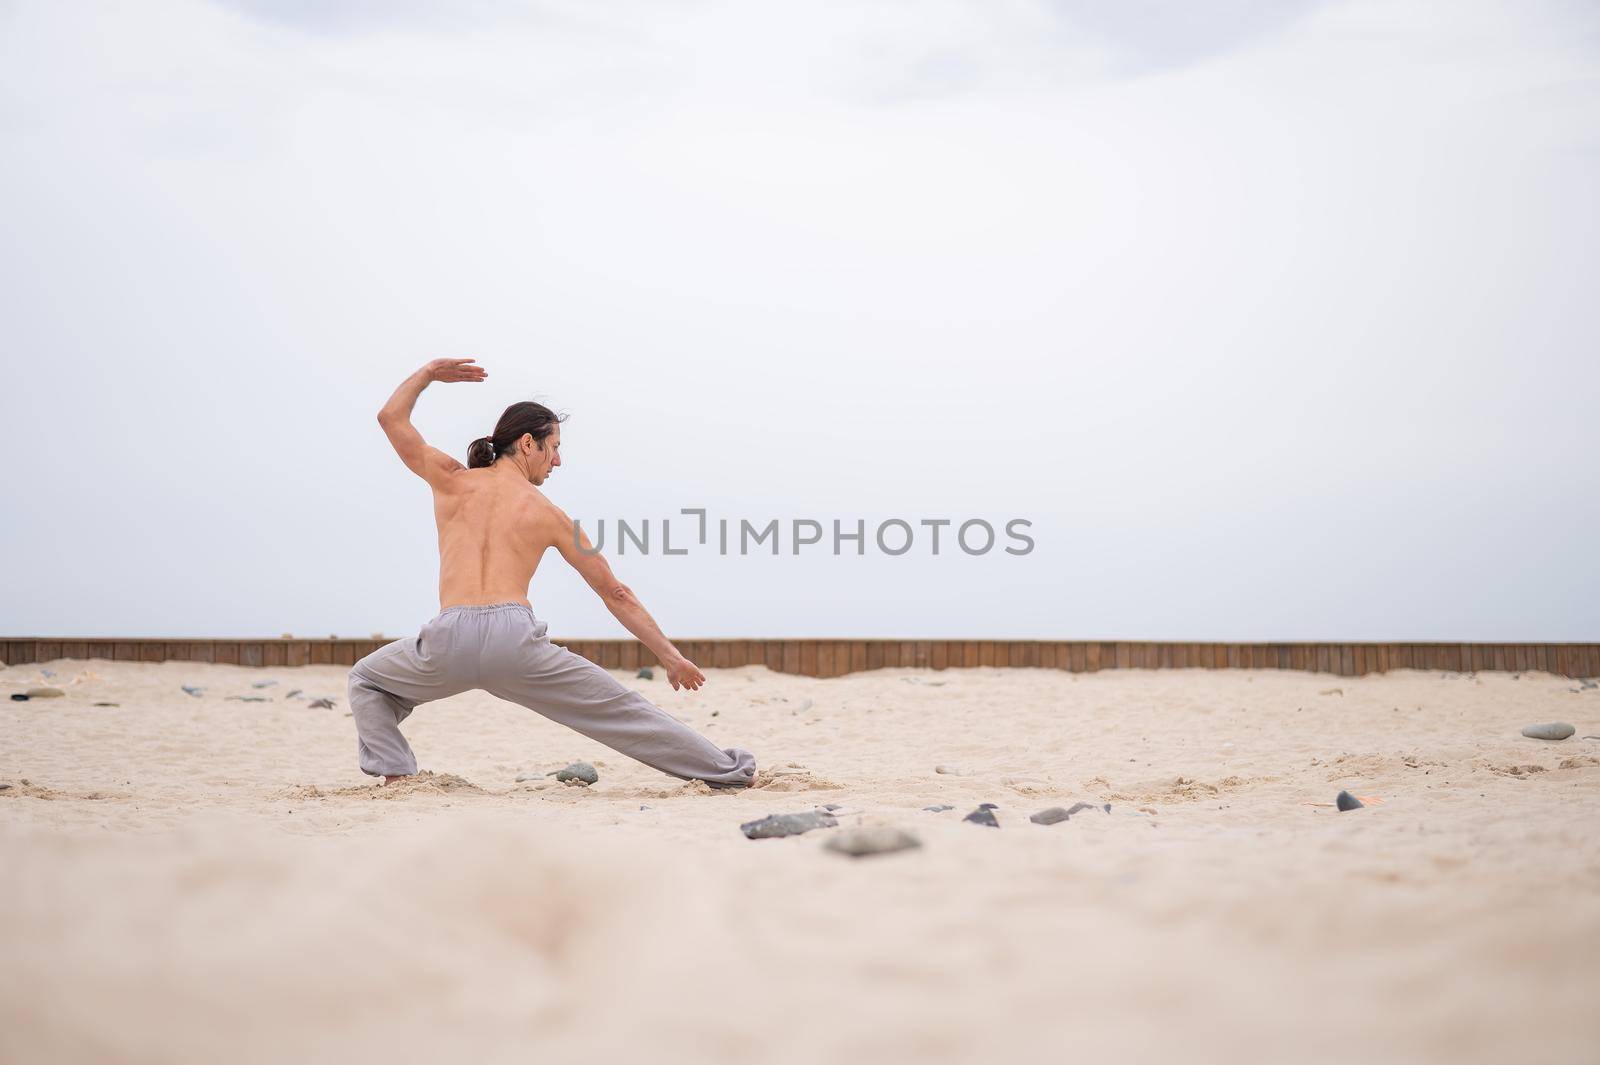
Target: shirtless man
x,y
494,526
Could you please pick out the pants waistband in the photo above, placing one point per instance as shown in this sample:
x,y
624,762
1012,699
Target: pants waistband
x,y
486,608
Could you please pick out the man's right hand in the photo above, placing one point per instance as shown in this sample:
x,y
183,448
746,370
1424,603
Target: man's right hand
x,y
682,672
455,370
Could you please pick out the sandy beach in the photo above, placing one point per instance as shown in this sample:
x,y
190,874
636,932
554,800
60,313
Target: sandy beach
x,y
195,878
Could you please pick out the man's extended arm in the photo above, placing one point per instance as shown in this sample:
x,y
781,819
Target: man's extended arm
x,y
426,462
623,604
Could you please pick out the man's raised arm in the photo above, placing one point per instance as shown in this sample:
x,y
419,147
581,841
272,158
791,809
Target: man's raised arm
x,y
623,604
426,462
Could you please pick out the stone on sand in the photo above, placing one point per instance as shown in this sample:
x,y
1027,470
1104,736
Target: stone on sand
x,y
938,809
871,839
1346,801
320,704
983,815
775,826
1554,730
577,773
646,673
1050,816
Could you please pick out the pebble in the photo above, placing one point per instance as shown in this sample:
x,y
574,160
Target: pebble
x,y
262,683
774,826
983,815
44,693
295,694
871,839
646,673
1050,816
949,770
582,772
5,787
196,692
321,704
1347,801
248,699
1554,730
108,704
938,809
831,806
18,697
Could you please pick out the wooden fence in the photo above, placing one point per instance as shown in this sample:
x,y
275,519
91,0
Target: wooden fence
x,y
832,658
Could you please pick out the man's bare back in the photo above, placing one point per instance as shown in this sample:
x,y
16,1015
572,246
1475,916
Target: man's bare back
x,y
495,525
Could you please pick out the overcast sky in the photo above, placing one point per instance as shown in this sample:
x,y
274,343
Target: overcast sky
x,y
1276,320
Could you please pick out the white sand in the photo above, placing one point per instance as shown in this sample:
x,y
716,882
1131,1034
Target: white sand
x,y
194,879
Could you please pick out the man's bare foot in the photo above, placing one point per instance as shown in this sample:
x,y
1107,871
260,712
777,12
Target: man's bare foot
x,y
391,780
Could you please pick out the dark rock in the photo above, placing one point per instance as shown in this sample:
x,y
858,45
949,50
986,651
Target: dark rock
x,y
1554,730
1050,816
646,673
196,692
831,806
983,815
577,772
774,826
871,839
938,809
321,704
108,704
44,693
294,694
247,699
18,697
5,787
1347,801
262,683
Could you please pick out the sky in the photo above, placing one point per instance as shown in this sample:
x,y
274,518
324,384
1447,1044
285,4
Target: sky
x,y
1274,321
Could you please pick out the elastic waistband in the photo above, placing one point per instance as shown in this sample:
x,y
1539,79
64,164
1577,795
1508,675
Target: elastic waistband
x,y
485,608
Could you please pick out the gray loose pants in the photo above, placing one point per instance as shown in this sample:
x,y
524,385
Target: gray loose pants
x,y
503,650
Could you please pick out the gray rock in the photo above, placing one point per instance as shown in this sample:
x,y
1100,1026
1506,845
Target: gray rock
x,y
5,787
196,692
321,704
938,809
108,704
247,699
44,693
1554,730
294,694
646,673
18,697
1346,801
1050,816
262,683
983,815
774,826
579,772
871,839
831,806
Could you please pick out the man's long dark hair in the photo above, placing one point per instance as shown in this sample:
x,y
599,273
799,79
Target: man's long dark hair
x,y
518,419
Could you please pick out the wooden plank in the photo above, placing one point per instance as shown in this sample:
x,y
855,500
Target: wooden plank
x,y
971,654
824,658
923,651
858,655
874,654
937,655
808,658
226,652
1091,657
